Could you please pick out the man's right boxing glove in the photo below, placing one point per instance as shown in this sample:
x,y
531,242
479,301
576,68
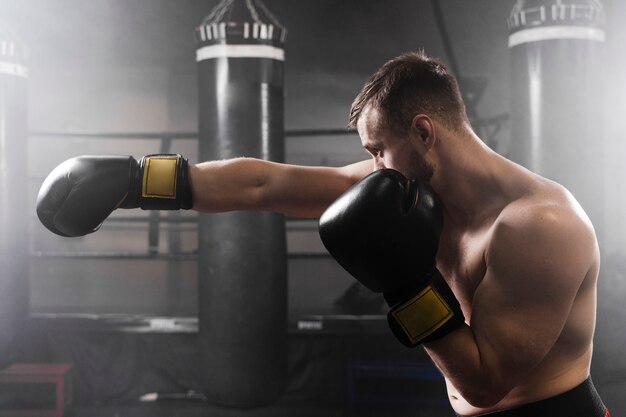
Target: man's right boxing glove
x,y
79,194
385,232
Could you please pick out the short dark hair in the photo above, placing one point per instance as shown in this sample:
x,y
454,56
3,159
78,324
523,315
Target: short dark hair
x,y
410,84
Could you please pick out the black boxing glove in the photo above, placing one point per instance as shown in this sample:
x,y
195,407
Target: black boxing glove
x,y
385,232
79,194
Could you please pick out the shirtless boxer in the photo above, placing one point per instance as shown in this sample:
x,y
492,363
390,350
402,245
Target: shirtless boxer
x,y
517,250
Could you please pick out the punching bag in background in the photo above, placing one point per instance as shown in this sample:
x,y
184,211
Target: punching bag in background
x,y
14,231
242,255
557,62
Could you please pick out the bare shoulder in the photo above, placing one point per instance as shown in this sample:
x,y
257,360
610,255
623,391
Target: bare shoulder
x,y
545,225
547,205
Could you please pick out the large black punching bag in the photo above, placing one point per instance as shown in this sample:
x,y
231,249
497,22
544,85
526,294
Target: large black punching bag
x,y
14,246
557,61
242,255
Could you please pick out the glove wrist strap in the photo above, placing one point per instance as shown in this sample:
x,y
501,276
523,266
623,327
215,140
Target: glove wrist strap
x,y
430,314
161,182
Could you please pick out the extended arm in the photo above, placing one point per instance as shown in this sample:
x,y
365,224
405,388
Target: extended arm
x,y
81,193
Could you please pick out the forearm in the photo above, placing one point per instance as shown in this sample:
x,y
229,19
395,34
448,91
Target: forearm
x,y
254,184
471,366
227,185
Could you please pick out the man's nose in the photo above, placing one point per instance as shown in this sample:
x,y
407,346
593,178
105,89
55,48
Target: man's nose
x,y
379,163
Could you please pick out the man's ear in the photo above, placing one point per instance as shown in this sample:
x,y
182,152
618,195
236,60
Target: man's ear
x,y
423,129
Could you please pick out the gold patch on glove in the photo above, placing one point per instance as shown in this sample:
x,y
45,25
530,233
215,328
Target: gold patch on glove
x,y
423,314
159,177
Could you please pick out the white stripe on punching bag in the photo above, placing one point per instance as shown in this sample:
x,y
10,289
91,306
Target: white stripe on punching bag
x,y
545,33
240,51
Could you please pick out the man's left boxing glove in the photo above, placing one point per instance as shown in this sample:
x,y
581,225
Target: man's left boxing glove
x,y
81,193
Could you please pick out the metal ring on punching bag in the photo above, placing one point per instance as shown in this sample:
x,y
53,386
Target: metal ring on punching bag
x,y
554,20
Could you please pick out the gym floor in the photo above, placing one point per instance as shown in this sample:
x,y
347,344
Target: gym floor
x,y
284,408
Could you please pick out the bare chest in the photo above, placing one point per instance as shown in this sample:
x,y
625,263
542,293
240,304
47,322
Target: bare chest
x,y
461,261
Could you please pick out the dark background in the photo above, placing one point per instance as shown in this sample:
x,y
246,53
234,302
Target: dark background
x,y
129,66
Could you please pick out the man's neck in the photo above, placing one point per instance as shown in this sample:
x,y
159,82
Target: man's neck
x,y
469,181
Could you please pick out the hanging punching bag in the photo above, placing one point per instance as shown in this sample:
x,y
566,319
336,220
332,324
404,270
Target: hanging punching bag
x,y
557,59
14,247
242,255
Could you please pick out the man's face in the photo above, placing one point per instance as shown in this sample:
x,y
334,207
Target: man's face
x,y
391,151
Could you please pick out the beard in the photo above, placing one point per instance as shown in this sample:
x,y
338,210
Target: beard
x,y
419,169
